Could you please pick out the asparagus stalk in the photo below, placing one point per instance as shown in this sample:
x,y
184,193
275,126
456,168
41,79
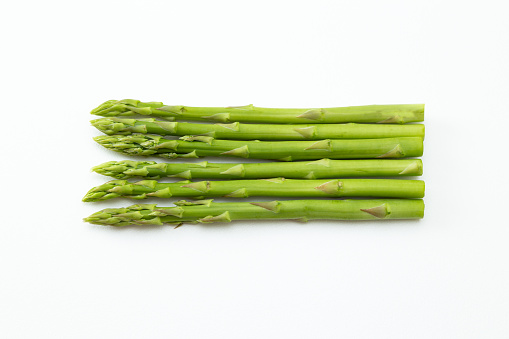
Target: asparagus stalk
x,y
371,114
275,187
302,210
240,131
319,169
199,146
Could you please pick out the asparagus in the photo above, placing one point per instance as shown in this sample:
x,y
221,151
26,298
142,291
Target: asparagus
x,y
275,187
372,114
199,146
303,210
240,131
323,168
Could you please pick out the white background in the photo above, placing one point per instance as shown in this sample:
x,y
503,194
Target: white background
x,y
446,276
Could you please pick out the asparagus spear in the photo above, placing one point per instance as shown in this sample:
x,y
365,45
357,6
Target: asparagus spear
x,y
323,168
199,146
302,210
275,187
240,131
373,113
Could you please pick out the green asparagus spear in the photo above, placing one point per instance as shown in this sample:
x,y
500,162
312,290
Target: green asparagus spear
x,y
199,146
319,169
240,131
372,114
302,210
275,187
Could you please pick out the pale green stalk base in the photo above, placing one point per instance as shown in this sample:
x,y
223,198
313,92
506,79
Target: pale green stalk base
x,y
240,131
276,187
389,114
302,210
319,169
194,147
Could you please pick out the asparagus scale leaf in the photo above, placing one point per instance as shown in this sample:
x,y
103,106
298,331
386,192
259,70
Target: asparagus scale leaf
x,y
275,187
199,146
389,114
318,169
208,211
238,131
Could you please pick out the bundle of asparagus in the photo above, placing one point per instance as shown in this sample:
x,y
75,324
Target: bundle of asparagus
x,y
334,133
